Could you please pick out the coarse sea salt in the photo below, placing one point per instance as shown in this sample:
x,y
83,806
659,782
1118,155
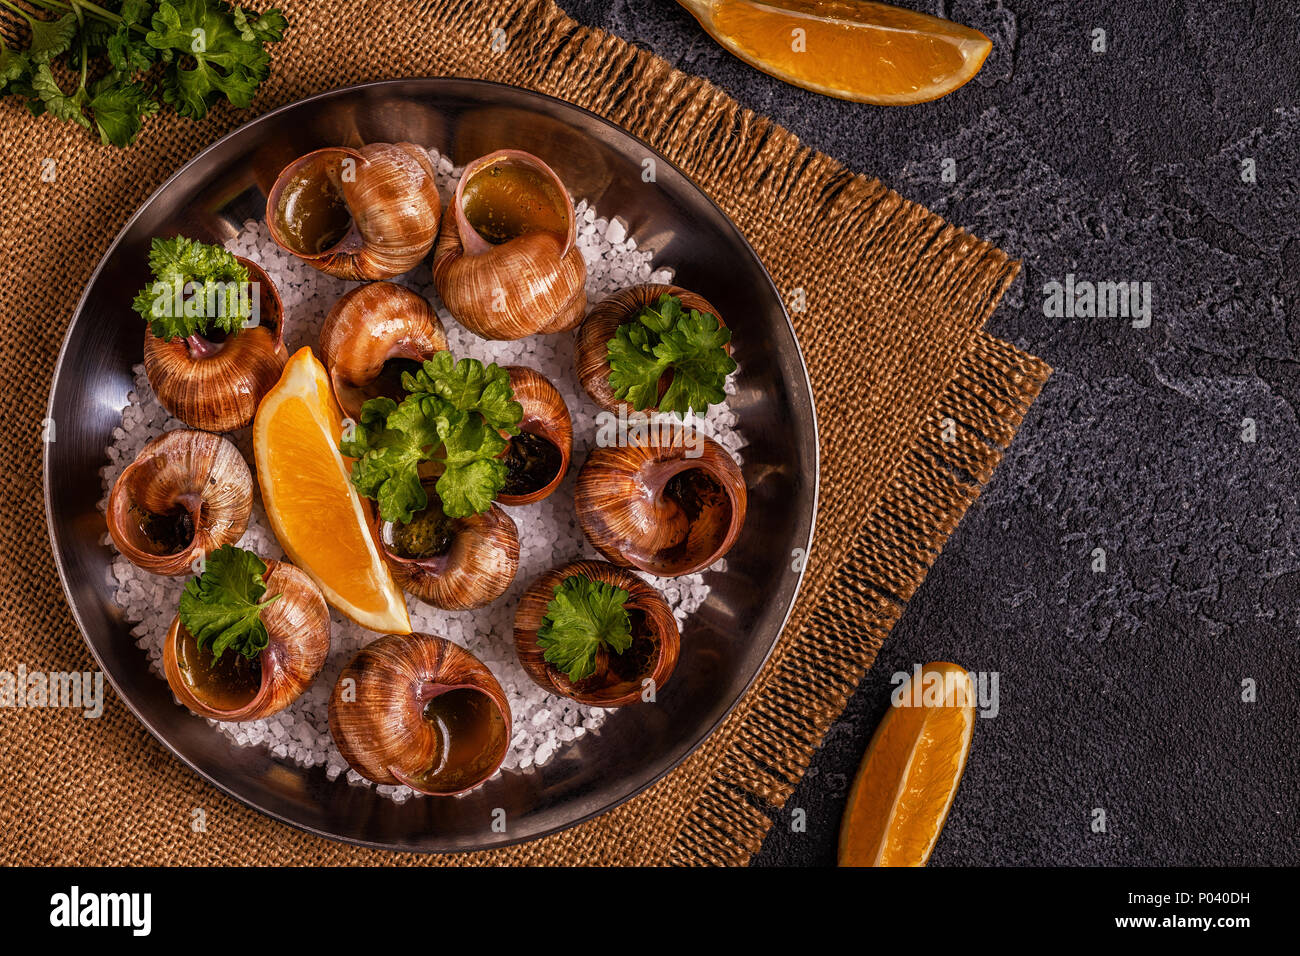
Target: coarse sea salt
x,y
549,534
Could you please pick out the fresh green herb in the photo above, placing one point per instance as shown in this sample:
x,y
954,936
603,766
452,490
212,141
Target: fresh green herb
x,y
222,607
205,51
661,338
388,456
583,615
469,387
453,414
196,286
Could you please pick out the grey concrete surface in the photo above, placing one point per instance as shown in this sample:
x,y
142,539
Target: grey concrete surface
x,y
1120,690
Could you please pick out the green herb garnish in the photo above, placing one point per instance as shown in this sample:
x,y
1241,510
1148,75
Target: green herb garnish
x,y
453,414
196,286
583,615
222,607
208,50
660,338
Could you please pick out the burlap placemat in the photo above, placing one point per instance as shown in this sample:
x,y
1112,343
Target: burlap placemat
x,y
892,332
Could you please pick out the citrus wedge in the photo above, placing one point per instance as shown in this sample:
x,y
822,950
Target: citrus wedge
x,y
868,52
910,773
316,513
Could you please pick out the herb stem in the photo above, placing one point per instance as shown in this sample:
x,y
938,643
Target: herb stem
x,y
18,10
75,6
96,10
81,23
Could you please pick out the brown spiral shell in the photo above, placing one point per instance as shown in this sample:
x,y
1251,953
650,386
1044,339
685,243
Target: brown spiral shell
x,y
382,731
607,687
298,625
647,505
391,197
545,415
369,326
534,283
591,348
474,572
199,473
216,386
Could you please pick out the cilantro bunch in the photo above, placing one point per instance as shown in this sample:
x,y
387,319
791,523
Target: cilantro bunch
x,y
663,338
223,606
583,615
453,414
203,273
128,57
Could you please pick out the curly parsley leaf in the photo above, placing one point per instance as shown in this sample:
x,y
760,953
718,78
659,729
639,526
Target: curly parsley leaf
x,y
581,616
453,415
222,607
365,433
663,338
119,108
61,105
693,349
14,65
391,441
226,53
661,316
125,54
136,12
470,387
209,50
268,27
474,473
50,38
207,274
634,369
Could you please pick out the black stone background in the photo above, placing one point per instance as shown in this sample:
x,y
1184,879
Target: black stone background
x,y
1119,690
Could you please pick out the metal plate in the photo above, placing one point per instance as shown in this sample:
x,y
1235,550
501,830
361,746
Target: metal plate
x,y
725,642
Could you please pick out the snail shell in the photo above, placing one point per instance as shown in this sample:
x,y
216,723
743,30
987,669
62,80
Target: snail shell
x,y
187,493
529,277
216,385
618,679
418,710
538,457
591,350
374,217
298,625
368,336
648,504
453,563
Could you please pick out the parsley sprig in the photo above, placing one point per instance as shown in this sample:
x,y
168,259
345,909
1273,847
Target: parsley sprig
x,y
583,615
203,51
222,607
663,337
203,273
453,414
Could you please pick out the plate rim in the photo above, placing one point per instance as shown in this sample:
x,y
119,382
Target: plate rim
x,y
58,557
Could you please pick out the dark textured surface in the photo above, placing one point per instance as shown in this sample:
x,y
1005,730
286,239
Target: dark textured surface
x,y
1119,690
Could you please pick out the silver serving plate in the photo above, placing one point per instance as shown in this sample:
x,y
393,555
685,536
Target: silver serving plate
x,y
725,642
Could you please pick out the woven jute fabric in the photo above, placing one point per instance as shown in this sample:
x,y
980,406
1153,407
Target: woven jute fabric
x,y
916,404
